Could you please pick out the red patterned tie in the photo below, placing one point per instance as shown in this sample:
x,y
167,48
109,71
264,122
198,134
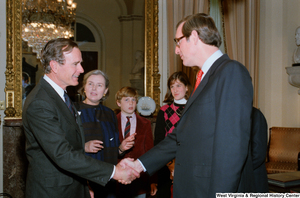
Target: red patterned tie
x,y
127,127
199,77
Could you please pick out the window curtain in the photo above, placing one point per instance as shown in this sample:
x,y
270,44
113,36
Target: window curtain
x,y
215,12
241,32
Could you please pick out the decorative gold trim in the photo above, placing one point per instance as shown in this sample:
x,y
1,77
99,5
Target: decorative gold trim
x,y
152,77
13,73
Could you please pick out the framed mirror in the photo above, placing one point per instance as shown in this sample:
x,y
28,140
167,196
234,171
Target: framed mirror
x,y
13,73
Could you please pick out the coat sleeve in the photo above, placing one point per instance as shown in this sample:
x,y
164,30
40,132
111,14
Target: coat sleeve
x,y
161,154
53,143
149,145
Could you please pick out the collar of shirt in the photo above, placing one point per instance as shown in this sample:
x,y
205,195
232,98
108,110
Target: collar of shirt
x,y
132,123
57,88
210,61
181,101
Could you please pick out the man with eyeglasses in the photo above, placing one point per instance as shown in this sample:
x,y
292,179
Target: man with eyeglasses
x,y
211,143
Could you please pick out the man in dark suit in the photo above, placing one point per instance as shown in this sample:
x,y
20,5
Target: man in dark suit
x,y
211,142
259,134
58,166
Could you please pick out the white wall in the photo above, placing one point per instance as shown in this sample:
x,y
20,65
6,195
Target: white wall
x,y
277,99
2,79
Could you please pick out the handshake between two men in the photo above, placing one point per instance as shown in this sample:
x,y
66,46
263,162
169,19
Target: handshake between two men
x,y
127,170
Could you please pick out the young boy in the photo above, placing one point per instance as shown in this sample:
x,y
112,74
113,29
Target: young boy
x,y
130,122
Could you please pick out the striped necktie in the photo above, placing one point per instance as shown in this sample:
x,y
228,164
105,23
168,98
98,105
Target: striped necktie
x,y
127,127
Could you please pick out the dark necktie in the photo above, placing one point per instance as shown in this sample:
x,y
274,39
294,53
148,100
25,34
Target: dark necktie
x,y
199,77
68,103
127,127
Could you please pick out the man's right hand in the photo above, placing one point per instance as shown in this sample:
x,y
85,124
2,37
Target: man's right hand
x,y
124,173
128,162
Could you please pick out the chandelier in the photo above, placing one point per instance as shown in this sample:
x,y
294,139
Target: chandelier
x,y
43,20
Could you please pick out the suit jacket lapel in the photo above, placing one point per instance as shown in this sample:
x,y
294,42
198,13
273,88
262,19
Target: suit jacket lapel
x,y
61,104
205,80
80,128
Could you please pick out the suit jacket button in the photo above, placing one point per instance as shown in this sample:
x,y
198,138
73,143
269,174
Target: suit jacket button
x,y
178,143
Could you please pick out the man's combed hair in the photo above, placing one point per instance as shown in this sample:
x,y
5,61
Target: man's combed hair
x,y
204,25
54,50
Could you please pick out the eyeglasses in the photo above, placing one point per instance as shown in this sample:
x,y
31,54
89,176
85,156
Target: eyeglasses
x,y
177,40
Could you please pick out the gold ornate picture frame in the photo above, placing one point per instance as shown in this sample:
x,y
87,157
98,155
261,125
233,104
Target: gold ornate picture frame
x,y
13,73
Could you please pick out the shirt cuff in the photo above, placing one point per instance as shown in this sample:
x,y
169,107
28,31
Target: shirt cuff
x,y
142,165
113,173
